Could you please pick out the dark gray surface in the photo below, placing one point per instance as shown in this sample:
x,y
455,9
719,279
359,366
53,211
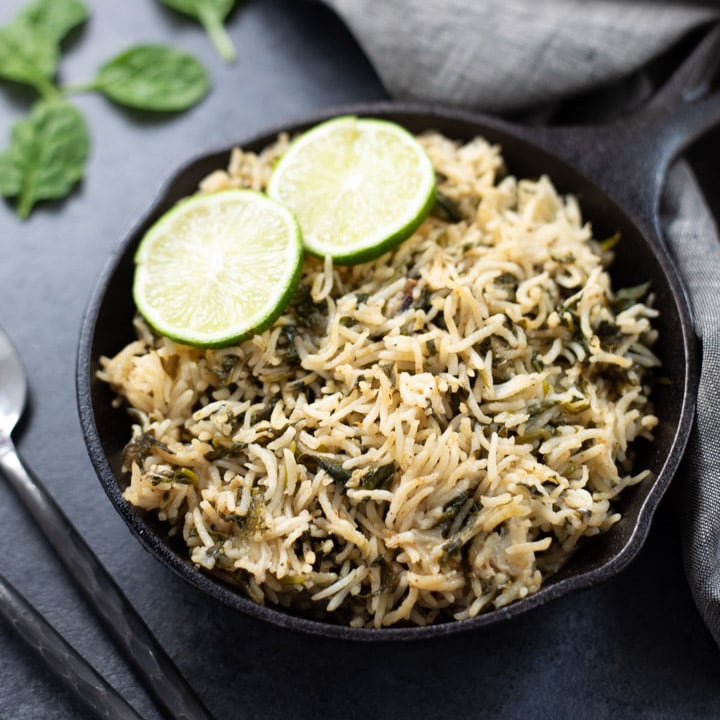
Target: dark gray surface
x,y
634,647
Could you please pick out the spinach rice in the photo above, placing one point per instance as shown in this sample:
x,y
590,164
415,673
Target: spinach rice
x,y
418,438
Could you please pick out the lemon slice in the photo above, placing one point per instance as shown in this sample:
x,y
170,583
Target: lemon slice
x,y
358,187
217,267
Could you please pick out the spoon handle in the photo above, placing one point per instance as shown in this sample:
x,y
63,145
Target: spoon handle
x,y
61,657
171,692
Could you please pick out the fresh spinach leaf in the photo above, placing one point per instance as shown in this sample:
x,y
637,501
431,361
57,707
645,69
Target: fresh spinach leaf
x,y
153,77
211,14
48,149
29,45
28,55
55,18
46,156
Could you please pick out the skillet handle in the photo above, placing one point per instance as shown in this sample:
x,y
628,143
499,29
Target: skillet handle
x,y
683,110
630,157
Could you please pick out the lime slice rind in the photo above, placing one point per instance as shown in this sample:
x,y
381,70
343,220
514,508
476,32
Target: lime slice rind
x,y
218,268
358,186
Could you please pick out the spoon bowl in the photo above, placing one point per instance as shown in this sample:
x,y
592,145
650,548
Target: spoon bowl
x,y
13,386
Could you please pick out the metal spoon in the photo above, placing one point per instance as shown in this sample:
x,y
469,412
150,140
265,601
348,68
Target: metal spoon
x,y
141,649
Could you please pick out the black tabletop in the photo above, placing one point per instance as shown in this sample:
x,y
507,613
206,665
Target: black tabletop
x,y
634,647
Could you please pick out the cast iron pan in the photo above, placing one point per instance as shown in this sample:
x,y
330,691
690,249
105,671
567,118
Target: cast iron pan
x,y
616,170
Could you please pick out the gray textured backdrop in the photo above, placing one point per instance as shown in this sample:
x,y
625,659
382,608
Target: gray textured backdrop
x,y
634,647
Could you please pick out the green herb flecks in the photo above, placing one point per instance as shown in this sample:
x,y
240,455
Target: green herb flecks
x,y
264,411
509,283
185,476
446,209
378,478
140,447
609,243
334,470
306,312
224,447
211,14
227,368
450,511
536,362
627,297
288,347
459,539
609,334
534,434
388,578
253,521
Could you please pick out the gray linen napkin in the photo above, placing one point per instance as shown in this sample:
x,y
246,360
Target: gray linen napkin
x,y
513,56
504,55
694,242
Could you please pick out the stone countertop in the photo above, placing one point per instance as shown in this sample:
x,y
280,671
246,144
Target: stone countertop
x,y
633,647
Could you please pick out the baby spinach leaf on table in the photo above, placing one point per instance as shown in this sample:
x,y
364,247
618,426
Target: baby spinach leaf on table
x,y
56,18
46,156
211,14
48,150
153,77
29,45
28,55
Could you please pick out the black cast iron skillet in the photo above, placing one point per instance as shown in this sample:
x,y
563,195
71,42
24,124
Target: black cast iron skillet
x,y
616,170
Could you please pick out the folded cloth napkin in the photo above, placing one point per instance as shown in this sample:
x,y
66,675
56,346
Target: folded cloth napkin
x,y
515,56
504,55
694,242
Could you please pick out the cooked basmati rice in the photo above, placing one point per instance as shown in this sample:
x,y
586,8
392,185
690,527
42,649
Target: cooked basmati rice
x,y
417,438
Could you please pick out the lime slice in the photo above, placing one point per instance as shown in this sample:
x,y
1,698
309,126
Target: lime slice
x,y
358,187
217,267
